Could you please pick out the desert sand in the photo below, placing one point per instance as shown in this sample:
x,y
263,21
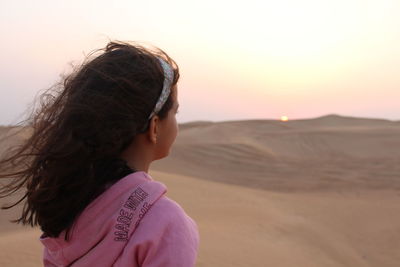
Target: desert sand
x,y
304,193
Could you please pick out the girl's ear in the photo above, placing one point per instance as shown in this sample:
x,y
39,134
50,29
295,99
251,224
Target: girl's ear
x,y
153,129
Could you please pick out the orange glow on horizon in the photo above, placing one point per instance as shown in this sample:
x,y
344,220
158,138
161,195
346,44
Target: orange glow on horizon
x,y
284,118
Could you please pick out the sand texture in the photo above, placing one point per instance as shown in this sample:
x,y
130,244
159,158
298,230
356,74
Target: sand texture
x,y
319,192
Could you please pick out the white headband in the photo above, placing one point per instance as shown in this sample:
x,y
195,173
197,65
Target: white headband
x,y
168,79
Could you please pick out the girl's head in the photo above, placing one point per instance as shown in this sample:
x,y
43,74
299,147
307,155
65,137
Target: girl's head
x,y
90,128
108,101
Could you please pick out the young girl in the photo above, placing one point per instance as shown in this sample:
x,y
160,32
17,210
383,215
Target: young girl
x,y
85,166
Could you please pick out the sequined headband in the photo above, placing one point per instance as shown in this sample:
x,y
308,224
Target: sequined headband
x,y
168,79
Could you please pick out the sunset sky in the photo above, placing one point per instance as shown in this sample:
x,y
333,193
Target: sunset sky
x,y
238,59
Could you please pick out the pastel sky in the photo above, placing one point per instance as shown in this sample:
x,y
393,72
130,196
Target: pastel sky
x,y
238,59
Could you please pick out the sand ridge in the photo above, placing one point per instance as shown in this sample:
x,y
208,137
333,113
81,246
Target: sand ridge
x,y
327,153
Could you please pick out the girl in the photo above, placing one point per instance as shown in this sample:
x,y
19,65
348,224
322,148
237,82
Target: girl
x,y
85,166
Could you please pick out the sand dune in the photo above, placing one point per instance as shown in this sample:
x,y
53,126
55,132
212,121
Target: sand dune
x,y
20,248
319,192
327,153
250,227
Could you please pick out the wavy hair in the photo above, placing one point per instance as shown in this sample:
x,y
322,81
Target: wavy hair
x,y
79,129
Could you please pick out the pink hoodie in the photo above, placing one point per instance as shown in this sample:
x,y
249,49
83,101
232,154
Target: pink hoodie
x,y
131,224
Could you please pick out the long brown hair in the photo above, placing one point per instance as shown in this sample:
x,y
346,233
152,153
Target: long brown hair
x,y
80,127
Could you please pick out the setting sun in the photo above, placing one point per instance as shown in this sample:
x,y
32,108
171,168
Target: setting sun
x,y
284,118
